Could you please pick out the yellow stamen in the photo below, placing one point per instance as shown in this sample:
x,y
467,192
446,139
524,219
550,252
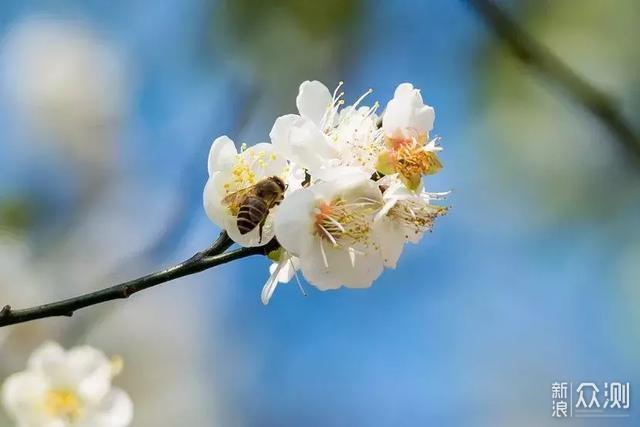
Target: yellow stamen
x,y
409,158
416,214
63,403
343,224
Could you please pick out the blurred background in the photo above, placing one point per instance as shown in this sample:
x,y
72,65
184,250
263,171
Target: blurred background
x,y
108,109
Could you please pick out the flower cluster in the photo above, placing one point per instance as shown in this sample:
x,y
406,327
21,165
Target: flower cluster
x,y
67,388
340,187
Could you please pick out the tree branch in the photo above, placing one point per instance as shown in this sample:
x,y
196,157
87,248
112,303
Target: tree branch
x,y
211,257
533,54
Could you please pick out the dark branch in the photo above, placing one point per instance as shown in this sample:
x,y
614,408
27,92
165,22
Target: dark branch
x,y
211,257
535,55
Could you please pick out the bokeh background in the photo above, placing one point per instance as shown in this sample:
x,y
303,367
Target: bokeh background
x,y
107,111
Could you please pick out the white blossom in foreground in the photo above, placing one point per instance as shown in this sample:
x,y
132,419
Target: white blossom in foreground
x,y
323,136
408,152
67,388
231,172
328,226
404,217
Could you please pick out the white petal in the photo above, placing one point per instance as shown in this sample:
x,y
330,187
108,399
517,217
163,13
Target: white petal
x,y
302,142
406,114
295,178
313,101
289,270
271,284
368,191
341,271
280,132
48,353
310,147
115,410
50,360
221,155
265,161
340,173
294,221
91,370
22,393
347,183
212,200
391,238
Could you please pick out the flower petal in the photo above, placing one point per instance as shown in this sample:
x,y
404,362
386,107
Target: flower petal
x,y
302,142
212,200
221,155
391,237
115,410
22,394
92,373
280,131
294,221
272,282
280,272
353,270
288,271
406,114
50,360
347,183
343,174
313,101
265,161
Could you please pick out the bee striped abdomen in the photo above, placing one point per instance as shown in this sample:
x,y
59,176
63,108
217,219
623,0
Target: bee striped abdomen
x,y
252,213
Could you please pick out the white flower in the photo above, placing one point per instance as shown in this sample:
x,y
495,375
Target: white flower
x,y
329,227
66,388
405,216
282,270
407,122
230,171
324,136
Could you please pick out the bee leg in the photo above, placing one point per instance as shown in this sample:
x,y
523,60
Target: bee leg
x,y
260,229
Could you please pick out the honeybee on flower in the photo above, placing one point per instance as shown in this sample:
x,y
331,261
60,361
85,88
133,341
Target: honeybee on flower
x,y
235,177
252,205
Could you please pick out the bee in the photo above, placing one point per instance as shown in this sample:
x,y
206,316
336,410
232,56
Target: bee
x,y
251,205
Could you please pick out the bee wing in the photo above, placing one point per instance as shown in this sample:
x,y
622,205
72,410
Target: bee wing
x,y
236,197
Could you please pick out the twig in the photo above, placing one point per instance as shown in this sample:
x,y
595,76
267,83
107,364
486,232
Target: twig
x,y
211,257
535,55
